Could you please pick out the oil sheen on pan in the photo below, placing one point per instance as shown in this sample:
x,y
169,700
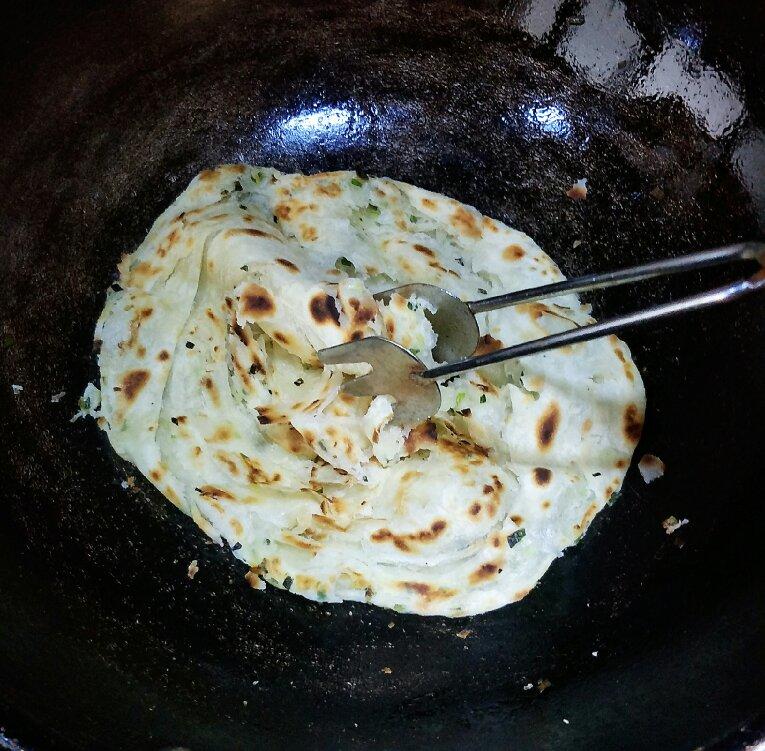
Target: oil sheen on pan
x,y
210,385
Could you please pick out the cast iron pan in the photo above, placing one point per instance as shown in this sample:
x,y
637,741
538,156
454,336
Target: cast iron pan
x,y
110,108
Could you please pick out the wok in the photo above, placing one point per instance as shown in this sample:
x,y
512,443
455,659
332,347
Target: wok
x,y
111,107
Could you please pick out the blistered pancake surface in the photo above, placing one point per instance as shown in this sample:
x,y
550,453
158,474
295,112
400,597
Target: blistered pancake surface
x,y
210,385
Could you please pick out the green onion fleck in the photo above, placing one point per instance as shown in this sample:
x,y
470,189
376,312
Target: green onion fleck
x,y
287,583
413,219
355,181
460,398
414,351
84,403
483,399
373,210
482,291
257,177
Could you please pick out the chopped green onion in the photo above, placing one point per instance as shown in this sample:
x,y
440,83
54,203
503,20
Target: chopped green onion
x,y
411,305
460,398
412,218
373,210
516,537
482,291
483,399
257,177
244,268
414,351
84,403
355,181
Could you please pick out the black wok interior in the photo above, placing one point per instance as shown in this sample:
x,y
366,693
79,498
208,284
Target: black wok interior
x,y
111,108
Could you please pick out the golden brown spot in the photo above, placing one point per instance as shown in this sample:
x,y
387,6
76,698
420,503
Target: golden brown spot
x,y
172,496
428,204
163,355
141,351
208,384
156,474
330,189
516,519
520,594
589,514
133,382
427,592
621,463
542,475
197,450
257,301
424,250
208,175
487,343
210,491
308,233
237,528
490,224
545,504
475,509
587,425
513,253
323,309
632,423
547,426
486,571
609,491
465,221
283,210
230,463
488,489
283,338
221,435
288,265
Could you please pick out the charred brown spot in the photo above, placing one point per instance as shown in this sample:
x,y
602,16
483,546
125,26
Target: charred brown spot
x,y
288,265
542,475
208,384
283,211
465,221
427,591
141,351
516,519
513,253
424,250
419,587
547,426
621,463
488,489
210,491
487,343
211,315
632,423
282,338
475,509
355,336
486,571
257,301
421,434
163,355
323,309
156,475
364,315
133,382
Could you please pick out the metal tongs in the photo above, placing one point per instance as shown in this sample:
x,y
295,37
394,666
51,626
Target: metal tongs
x,y
402,375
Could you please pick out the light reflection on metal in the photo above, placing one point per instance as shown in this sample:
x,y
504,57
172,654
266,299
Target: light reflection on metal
x,y
706,92
604,44
550,119
321,125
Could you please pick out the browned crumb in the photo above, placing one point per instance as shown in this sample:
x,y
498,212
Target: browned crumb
x,y
193,569
464,633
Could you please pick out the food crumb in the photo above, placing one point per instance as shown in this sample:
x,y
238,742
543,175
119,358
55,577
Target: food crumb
x,y
578,191
16,388
672,524
543,684
254,580
58,397
391,624
124,485
577,243
244,702
528,687
651,468
387,671
464,633
595,653
193,569
566,721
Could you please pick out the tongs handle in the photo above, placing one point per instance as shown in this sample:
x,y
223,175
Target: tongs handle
x,y
724,294
716,256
